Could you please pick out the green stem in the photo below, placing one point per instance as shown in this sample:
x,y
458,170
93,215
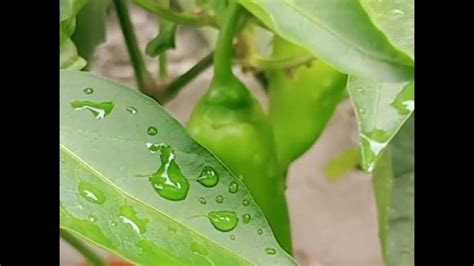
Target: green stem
x,y
144,80
224,47
163,68
192,20
90,255
174,87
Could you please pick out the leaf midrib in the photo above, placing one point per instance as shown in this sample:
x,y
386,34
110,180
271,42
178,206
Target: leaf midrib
x,y
127,195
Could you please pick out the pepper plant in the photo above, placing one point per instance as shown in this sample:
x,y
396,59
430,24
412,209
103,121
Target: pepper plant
x,y
137,183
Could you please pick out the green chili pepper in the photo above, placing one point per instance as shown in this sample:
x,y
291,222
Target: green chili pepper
x,y
230,123
302,100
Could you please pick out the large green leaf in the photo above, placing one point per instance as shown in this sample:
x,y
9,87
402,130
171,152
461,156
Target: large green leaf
x,y
90,27
393,183
132,183
68,55
381,110
396,19
338,31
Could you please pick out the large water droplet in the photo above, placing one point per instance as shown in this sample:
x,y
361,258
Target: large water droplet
x,y
168,181
128,215
245,202
132,110
91,193
152,131
88,91
270,251
154,147
208,177
99,110
223,221
233,187
372,146
219,199
202,200
246,218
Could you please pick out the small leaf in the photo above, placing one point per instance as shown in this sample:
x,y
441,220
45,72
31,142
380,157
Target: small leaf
x,y
114,174
381,110
90,29
68,56
342,164
339,32
163,41
393,183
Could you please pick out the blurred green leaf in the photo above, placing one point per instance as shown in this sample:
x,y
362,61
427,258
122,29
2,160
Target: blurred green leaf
x,y
342,164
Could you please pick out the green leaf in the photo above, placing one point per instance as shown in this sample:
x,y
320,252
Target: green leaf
x,y
342,164
68,56
381,110
163,41
123,157
393,183
90,27
396,19
339,32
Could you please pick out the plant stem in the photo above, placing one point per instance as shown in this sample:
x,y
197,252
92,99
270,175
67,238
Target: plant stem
x,y
144,80
224,47
174,87
163,68
90,255
192,20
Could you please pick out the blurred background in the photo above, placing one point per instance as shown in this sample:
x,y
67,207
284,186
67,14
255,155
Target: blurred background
x,y
333,223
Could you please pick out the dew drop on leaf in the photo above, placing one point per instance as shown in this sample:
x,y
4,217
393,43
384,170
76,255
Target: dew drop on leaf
x,y
98,110
152,131
270,251
92,218
168,181
259,231
208,177
223,221
202,200
88,91
128,215
246,218
232,237
233,187
198,249
132,110
245,202
91,193
219,199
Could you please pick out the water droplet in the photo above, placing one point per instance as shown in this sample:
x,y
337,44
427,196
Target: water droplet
x,y
202,200
91,193
232,237
132,110
208,177
245,202
223,221
246,218
219,199
168,181
92,218
270,251
99,110
398,12
88,91
198,249
113,223
128,215
233,187
259,231
152,131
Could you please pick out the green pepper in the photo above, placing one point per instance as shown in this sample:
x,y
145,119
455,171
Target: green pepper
x,y
302,100
230,123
